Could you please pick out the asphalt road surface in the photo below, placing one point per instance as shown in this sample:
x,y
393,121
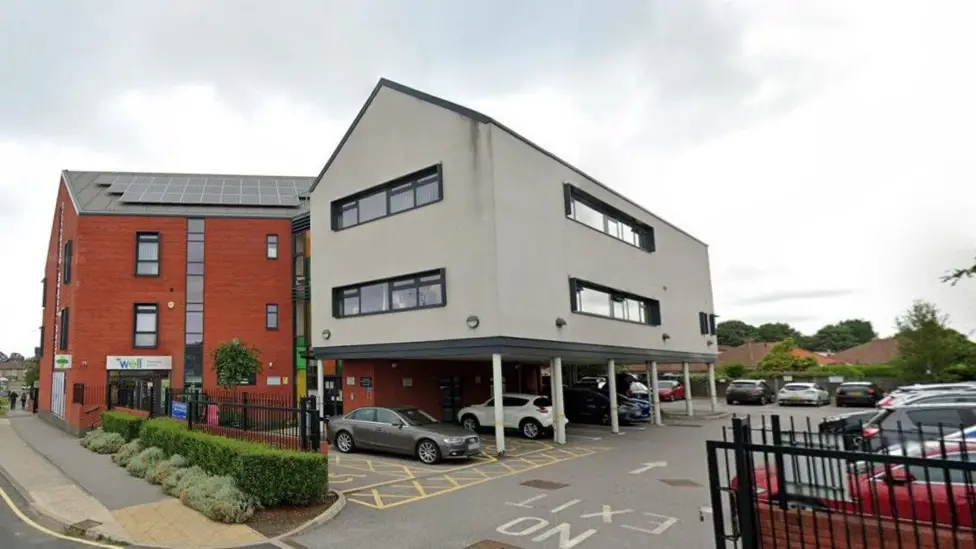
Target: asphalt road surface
x,y
18,533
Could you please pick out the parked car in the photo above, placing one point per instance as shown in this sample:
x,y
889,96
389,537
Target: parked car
x,y
530,415
402,430
858,393
755,391
803,393
589,406
937,397
670,391
627,383
884,490
906,391
901,424
643,406
848,426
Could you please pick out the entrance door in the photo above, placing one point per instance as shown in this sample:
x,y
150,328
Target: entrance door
x,y
450,398
58,393
332,395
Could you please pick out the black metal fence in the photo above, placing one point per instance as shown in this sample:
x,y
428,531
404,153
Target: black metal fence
x,y
778,486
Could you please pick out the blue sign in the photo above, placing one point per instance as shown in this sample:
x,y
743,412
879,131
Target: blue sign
x,y
178,410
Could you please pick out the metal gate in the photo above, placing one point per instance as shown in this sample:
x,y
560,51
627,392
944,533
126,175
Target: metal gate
x,y
58,388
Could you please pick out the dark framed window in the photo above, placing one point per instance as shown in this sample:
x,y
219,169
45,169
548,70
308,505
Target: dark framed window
x,y
145,325
65,321
712,321
598,300
590,211
44,292
409,192
271,246
271,316
66,264
703,323
424,290
147,254
40,350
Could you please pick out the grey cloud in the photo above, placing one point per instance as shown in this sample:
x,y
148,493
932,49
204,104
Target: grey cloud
x,y
774,297
69,55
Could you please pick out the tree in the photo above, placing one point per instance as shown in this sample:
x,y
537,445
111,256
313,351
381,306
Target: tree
x,y
831,338
954,276
32,373
783,358
772,332
235,363
926,344
862,330
735,332
734,370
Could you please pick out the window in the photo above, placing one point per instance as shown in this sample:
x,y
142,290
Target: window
x,y
145,326
593,299
711,324
948,418
386,416
66,267
402,194
703,323
363,414
147,254
271,245
271,316
593,213
543,402
63,330
43,292
514,402
40,350
410,292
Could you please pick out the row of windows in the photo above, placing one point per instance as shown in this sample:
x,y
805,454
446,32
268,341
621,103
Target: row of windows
x,y
706,323
405,193
598,215
148,256
416,291
145,332
594,299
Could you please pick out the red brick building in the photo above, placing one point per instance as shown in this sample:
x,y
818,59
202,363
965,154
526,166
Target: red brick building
x,y
147,273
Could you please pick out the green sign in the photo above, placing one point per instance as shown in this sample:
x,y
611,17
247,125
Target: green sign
x,y
62,362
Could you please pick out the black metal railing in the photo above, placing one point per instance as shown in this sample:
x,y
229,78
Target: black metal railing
x,y
774,485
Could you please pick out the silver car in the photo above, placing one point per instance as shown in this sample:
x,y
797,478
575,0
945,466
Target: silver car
x,y
402,430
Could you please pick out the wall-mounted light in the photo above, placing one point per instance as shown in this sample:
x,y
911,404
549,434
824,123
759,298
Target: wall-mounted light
x,y
709,343
326,334
665,337
560,322
473,322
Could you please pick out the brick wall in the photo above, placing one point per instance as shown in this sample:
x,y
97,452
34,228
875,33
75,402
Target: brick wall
x,y
780,529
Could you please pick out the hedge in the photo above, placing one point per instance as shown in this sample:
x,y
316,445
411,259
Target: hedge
x,y
274,477
122,423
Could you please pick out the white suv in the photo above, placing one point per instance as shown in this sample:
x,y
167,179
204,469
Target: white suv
x,y
531,415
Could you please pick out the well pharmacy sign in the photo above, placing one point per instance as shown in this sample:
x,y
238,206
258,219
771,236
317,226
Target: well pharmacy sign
x,y
138,363
62,362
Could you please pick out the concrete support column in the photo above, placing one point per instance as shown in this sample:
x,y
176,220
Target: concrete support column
x,y
612,387
711,386
689,407
557,383
497,394
655,395
554,399
320,392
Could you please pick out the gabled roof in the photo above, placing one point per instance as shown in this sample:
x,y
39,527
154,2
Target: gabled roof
x,y
751,352
479,117
877,351
92,194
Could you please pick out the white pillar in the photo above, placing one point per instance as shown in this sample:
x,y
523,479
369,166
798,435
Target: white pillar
x,y
711,386
320,393
553,399
689,407
612,387
557,380
655,395
497,394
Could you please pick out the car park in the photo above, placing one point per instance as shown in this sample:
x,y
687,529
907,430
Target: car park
x,y
402,430
907,391
627,383
849,426
670,391
531,415
643,406
803,393
749,391
858,393
901,424
590,406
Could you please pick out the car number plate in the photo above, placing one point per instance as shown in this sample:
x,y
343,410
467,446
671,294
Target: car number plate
x,y
857,393
473,446
796,397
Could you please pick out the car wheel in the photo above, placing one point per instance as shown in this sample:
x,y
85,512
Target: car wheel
x,y
762,400
470,422
344,442
729,401
428,452
531,428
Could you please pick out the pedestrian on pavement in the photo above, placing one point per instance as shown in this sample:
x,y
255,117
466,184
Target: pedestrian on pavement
x,y
23,401
13,399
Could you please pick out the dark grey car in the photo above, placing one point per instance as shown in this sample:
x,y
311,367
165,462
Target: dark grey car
x,y
402,430
902,424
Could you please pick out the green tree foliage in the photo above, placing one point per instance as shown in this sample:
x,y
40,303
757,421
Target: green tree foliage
x,y
235,363
862,330
734,370
954,276
927,347
771,332
781,358
735,332
32,372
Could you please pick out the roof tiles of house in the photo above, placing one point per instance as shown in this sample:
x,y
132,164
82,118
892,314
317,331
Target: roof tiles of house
x,y
878,351
750,353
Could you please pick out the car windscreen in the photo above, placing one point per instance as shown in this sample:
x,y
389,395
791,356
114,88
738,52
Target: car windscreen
x,y
743,384
416,417
668,384
797,387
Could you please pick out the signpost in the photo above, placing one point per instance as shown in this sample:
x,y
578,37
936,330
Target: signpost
x,y
178,410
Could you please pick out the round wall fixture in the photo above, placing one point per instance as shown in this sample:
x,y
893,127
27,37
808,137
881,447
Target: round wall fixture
x,y
170,305
665,337
473,322
326,334
560,322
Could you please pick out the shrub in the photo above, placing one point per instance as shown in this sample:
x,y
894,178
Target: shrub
x,y
128,451
122,423
218,498
161,470
171,485
140,464
274,477
86,440
106,443
734,370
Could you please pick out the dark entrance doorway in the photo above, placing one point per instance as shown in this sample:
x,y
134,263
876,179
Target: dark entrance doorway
x,y
450,397
332,395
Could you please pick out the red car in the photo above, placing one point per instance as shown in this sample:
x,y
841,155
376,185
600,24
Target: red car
x,y
882,490
670,390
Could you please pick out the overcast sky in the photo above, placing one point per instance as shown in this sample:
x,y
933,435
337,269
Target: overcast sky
x,y
823,149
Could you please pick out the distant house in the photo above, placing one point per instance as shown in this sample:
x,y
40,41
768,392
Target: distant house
x,y
751,352
877,351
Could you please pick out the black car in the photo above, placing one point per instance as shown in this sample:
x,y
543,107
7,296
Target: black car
x,y
754,391
589,406
858,393
849,426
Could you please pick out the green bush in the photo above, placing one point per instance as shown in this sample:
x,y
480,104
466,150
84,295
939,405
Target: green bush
x,y
218,498
734,370
161,470
140,464
101,442
171,485
274,477
128,451
122,423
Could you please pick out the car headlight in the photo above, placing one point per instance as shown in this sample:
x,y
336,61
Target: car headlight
x,y
454,440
